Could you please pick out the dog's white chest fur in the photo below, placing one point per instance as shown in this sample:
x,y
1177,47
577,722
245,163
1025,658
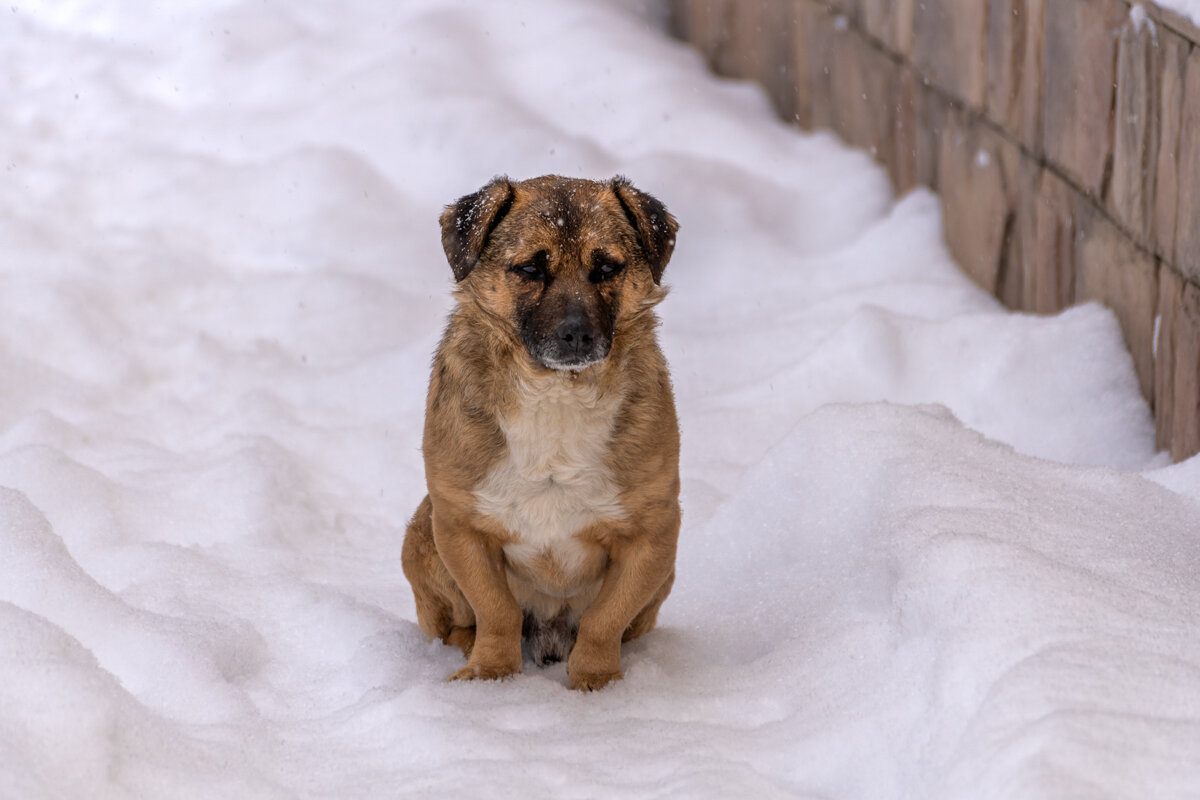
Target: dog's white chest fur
x,y
554,481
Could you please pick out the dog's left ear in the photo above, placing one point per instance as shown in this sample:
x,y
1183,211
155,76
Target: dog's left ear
x,y
467,224
654,224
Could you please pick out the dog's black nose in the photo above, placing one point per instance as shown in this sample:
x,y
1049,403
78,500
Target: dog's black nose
x,y
576,336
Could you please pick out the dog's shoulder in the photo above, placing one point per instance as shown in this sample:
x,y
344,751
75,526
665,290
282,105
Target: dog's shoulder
x,y
468,387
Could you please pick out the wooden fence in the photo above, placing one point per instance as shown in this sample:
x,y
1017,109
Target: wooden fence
x,y
1063,137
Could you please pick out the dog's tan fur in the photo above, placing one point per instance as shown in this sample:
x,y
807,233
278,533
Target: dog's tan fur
x,y
553,492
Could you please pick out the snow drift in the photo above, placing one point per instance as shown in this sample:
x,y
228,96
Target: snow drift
x,y
928,550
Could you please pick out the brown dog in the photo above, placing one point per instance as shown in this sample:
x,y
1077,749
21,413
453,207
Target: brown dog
x,y
551,445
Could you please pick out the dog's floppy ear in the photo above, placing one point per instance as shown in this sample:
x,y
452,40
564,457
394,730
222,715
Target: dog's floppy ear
x,y
467,224
654,224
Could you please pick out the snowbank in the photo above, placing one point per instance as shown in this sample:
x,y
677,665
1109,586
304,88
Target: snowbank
x,y
929,550
1188,8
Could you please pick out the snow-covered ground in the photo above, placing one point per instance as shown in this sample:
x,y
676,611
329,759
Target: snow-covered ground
x,y
1188,8
929,550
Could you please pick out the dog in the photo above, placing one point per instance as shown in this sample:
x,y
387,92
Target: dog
x,y
551,442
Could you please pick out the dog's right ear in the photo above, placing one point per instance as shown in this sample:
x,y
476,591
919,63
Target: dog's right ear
x,y
467,224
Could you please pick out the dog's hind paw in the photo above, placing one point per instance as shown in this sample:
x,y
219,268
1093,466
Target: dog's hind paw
x,y
462,638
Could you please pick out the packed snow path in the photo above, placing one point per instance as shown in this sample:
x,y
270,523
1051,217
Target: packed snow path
x,y
928,552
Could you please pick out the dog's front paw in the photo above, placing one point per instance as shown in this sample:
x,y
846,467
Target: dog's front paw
x,y
591,681
593,666
484,672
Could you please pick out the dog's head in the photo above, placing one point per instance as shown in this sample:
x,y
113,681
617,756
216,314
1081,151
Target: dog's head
x,y
561,262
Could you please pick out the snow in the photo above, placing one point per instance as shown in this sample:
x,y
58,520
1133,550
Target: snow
x,y
929,549
1188,8
1138,18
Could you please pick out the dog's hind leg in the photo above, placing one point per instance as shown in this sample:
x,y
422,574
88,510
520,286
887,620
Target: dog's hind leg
x,y
644,621
442,610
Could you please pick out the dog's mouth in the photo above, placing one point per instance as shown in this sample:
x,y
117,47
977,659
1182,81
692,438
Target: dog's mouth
x,y
552,357
573,366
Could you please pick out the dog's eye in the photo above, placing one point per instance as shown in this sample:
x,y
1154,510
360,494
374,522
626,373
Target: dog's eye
x,y
604,267
534,269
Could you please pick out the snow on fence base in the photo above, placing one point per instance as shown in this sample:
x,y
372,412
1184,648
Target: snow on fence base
x,y
1062,137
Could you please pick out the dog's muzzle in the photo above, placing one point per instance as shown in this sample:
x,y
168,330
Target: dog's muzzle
x,y
576,343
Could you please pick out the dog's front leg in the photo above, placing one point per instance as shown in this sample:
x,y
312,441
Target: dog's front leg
x,y
638,568
476,562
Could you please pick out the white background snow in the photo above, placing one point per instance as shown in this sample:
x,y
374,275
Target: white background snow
x,y
929,550
1188,8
